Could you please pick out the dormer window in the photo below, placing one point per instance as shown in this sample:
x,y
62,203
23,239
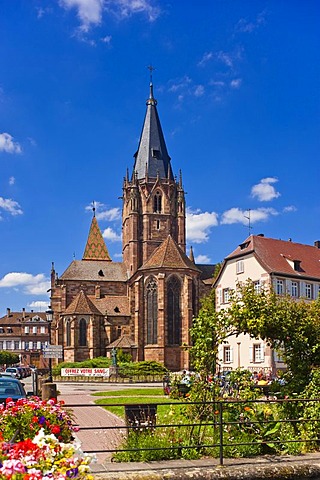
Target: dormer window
x,y
157,202
296,265
155,153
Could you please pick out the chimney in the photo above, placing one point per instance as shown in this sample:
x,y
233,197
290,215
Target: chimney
x,y
8,312
317,243
23,312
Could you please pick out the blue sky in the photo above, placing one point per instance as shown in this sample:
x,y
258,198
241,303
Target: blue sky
x,y
237,84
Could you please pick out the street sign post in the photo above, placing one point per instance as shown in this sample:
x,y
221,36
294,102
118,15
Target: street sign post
x,y
53,351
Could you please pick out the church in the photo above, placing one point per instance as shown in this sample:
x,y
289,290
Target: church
x,y
145,304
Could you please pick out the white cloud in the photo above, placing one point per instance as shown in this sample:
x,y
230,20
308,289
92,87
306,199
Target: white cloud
x,y
199,224
12,181
89,12
245,26
265,191
236,215
202,259
127,8
217,83
38,305
10,206
225,58
107,39
205,59
102,213
199,91
8,145
110,234
30,284
289,208
180,84
235,83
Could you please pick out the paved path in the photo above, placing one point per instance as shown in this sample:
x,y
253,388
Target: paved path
x,y
86,416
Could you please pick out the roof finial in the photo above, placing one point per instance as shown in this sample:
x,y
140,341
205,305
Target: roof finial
x,y
151,100
94,208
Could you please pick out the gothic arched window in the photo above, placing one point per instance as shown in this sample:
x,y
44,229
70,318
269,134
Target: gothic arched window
x,y
157,202
68,333
174,311
151,311
82,333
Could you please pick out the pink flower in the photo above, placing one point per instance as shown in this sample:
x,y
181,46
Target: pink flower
x,y
9,467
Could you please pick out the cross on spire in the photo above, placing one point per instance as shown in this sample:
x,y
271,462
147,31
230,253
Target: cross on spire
x,y
151,69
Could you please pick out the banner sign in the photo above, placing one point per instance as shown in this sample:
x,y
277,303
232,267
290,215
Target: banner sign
x,y
85,372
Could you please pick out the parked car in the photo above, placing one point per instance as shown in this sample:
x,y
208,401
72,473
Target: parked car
x,y
16,372
11,388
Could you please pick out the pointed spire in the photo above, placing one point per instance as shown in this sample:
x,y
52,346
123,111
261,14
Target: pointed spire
x,y
152,148
191,256
96,248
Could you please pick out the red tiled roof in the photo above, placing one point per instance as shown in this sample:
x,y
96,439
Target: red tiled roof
x,y
20,317
274,255
113,305
82,305
169,255
124,341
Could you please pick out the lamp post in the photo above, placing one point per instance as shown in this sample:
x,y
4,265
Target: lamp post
x,y
49,315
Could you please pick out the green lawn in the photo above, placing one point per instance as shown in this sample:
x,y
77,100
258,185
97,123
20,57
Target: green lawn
x,y
133,396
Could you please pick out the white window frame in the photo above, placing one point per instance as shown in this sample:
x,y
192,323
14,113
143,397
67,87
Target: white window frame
x,y
226,295
26,329
308,291
279,287
257,286
227,354
239,266
295,289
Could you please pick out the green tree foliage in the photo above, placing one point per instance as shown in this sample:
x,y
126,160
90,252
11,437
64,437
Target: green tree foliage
x,y
7,358
289,326
209,329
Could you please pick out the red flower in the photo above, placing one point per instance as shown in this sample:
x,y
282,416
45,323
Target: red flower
x,y
55,429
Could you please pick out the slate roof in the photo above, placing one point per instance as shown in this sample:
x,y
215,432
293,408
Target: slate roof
x,y
277,256
124,341
82,305
96,248
152,151
169,255
100,271
207,271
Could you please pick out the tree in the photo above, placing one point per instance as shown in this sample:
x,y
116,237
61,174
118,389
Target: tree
x,y
8,358
210,328
289,326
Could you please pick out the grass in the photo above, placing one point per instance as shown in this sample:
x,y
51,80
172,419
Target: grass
x,y
135,395
131,392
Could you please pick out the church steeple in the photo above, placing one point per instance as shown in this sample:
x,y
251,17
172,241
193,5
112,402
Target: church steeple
x,y
96,248
152,151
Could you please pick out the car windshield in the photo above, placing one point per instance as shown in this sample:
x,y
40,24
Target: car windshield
x,y
8,389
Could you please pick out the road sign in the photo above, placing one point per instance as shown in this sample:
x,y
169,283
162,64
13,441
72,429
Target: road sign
x,y
53,351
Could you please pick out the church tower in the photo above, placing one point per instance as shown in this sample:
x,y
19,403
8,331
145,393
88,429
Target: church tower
x,y
153,199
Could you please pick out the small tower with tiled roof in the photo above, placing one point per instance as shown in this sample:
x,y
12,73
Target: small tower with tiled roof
x,y
96,248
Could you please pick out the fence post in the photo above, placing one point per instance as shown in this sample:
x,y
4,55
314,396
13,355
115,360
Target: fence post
x,y
221,433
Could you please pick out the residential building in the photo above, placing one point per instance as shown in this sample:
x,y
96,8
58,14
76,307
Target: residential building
x,y
25,334
290,268
145,304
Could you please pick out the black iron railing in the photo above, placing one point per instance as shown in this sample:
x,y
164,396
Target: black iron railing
x,y
214,424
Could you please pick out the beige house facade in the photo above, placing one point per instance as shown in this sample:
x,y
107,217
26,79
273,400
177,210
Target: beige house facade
x,y
289,268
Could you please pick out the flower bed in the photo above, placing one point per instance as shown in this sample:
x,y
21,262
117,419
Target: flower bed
x,y
37,442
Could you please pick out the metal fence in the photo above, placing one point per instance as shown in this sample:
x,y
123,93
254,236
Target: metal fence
x,y
213,423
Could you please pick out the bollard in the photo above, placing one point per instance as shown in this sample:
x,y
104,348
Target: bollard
x,y
49,390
